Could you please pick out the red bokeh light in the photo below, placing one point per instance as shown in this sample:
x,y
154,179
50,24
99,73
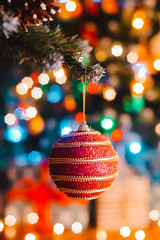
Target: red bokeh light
x,y
79,117
92,88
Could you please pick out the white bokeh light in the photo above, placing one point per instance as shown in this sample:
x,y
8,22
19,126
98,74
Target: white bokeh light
x,y
140,235
1,226
30,236
43,78
71,6
135,147
33,218
58,228
77,227
31,112
10,220
10,119
125,231
36,93
117,50
138,23
154,215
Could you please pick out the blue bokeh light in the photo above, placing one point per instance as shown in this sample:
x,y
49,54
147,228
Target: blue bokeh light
x,y
97,1
65,125
55,94
44,143
21,160
35,157
63,1
20,113
15,133
140,69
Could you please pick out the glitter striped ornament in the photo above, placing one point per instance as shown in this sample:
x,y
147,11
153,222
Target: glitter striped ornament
x,y
83,163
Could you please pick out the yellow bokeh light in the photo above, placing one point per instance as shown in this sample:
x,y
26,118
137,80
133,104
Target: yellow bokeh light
x,y
156,64
22,88
58,228
10,220
36,93
154,214
132,57
59,73
43,78
125,231
138,88
117,50
140,235
109,93
70,6
159,223
101,55
10,233
1,226
31,112
61,80
101,235
30,236
138,23
77,227
28,81
10,119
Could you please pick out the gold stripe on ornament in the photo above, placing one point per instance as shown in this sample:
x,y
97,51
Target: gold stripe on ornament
x,y
80,144
87,198
76,191
84,178
82,160
87,158
75,134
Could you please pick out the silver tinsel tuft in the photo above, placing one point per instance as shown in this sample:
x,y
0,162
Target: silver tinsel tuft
x,y
53,61
96,73
85,48
10,24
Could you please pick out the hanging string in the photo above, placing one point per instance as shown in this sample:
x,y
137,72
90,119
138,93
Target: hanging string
x,y
84,93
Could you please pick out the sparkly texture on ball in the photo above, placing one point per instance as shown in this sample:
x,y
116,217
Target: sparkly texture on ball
x,y
83,163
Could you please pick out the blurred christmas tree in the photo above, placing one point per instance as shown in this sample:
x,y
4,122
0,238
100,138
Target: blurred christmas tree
x,y
39,107
41,67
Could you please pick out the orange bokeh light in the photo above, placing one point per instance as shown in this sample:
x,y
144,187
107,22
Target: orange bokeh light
x,y
110,7
69,103
79,117
92,88
117,134
70,12
36,125
139,14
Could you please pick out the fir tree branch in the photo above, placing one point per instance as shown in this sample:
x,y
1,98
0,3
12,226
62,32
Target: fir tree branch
x,y
43,46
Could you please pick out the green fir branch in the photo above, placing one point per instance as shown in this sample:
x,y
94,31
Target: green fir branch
x,y
39,42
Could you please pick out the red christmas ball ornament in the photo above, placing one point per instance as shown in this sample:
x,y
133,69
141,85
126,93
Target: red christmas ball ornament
x,y
83,163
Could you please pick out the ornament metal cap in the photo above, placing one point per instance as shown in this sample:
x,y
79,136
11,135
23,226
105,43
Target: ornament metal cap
x,y
84,127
